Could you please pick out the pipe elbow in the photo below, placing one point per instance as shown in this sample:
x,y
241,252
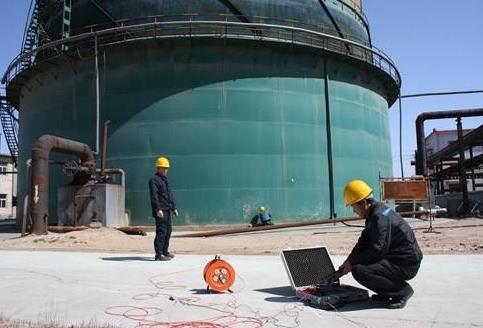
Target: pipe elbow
x,y
421,118
42,147
46,143
87,156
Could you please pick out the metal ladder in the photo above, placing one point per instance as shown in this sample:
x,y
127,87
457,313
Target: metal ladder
x,y
66,18
31,37
9,120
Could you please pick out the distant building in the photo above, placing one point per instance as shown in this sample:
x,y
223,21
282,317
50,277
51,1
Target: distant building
x,y
8,187
437,141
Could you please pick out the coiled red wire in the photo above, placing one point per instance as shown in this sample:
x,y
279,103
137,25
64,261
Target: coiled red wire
x,y
145,316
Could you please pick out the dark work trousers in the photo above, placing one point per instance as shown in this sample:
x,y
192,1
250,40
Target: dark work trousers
x,y
385,278
163,234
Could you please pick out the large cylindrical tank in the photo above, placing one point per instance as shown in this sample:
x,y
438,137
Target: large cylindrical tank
x,y
248,116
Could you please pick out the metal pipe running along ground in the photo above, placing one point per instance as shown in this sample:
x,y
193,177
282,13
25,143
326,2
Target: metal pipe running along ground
x,y
263,228
39,199
230,231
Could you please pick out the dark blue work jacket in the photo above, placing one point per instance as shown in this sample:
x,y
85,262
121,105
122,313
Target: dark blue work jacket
x,y
386,236
160,192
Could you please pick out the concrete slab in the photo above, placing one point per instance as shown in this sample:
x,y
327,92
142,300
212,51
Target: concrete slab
x,y
128,290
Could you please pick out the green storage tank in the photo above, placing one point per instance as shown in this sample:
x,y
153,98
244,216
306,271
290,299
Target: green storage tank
x,y
255,102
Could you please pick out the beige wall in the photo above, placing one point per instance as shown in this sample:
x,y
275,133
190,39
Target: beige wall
x,y
8,187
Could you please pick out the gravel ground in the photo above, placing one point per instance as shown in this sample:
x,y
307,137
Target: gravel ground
x,y
451,237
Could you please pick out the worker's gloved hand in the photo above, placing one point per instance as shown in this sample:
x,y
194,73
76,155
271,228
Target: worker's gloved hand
x,y
159,214
176,212
345,268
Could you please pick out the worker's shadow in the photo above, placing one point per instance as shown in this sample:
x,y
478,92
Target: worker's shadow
x,y
127,258
285,294
360,306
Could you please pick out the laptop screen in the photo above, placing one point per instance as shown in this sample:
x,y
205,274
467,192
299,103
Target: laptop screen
x,y
308,266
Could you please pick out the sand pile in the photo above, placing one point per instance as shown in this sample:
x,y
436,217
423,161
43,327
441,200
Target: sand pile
x,y
453,237
93,239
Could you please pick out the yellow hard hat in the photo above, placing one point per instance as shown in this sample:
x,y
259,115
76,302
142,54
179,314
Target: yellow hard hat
x,y
162,162
355,191
261,209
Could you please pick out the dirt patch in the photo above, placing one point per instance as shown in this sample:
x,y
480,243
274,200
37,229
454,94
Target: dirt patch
x,y
453,237
7,323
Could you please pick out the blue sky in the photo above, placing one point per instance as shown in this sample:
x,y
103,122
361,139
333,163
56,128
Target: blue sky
x,y
437,46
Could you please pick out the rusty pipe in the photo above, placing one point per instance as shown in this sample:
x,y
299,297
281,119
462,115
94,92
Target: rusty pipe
x,y
104,150
66,229
132,231
230,231
266,227
120,172
462,168
421,166
39,199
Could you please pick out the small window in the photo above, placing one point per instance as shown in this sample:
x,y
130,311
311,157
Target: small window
x,y
3,168
3,200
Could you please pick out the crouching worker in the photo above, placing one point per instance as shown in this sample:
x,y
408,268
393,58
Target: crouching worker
x,y
262,218
387,254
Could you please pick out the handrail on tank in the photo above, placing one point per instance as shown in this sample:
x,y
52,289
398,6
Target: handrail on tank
x,y
220,17
370,55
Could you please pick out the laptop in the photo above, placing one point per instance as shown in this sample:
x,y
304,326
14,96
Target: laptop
x,y
316,282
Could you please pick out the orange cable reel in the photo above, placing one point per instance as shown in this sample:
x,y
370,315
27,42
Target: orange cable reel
x,y
219,275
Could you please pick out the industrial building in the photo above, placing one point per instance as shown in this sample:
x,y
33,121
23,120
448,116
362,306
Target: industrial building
x,y
8,187
275,102
448,160
455,165
436,142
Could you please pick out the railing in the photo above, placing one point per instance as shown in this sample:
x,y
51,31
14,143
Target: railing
x,y
211,29
9,123
221,17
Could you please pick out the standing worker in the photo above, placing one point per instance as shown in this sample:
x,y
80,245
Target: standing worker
x,y
162,204
386,254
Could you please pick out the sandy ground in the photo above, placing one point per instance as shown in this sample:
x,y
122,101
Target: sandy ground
x,y
452,237
6,323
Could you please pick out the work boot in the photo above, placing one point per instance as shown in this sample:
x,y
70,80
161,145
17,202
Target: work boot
x,y
162,258
380,298
399,303
170,255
